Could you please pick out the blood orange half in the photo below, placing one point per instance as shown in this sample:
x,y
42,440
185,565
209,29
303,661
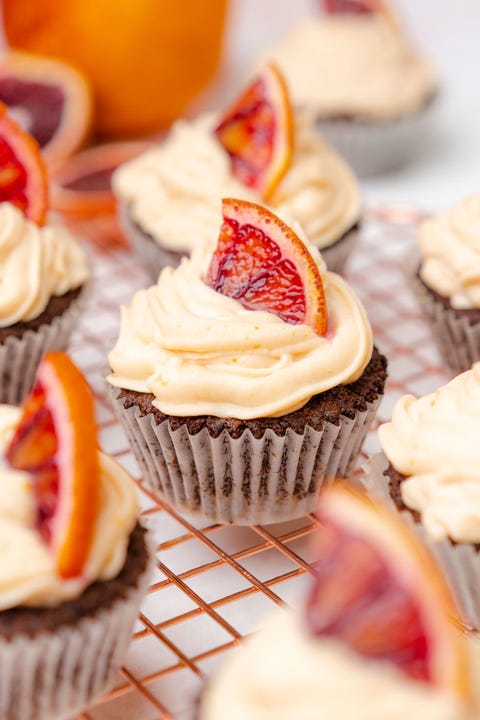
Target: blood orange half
x,y
263,264
23,178
257,132
49,99
378,590
56,442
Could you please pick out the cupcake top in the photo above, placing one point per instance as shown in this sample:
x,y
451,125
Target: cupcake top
x,y
28,574
355,66
283,672
433,441
174,191
36,263
201,352
450,247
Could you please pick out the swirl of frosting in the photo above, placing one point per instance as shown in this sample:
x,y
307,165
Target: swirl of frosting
x,y
434,442
450,248
203,353
174,191
36,263
282,673
354,65
27,569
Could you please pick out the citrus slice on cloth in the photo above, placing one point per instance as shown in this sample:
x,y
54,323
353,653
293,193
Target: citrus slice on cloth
x,y
82,185
378,590
257,132
263,264
48,99
23,177
56,442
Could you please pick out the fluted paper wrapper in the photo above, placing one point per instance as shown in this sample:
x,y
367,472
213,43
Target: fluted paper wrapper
x,y
57,674
459,562
375,147
457,340
152,256
19,357
242,480
337,255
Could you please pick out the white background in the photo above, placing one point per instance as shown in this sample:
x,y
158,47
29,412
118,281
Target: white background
x,y
448,168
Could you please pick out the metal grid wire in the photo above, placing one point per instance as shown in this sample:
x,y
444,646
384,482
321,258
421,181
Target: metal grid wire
x,y
215,584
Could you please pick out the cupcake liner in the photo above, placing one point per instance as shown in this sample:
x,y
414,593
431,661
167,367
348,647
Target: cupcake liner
x,y
57,674
152,256
337,255
458,341
19,357
243,480
374,147
460,562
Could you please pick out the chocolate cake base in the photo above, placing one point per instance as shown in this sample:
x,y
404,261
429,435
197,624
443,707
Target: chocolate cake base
x,y
472,315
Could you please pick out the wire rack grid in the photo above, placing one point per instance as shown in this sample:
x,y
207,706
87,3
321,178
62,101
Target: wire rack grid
x,y
214,584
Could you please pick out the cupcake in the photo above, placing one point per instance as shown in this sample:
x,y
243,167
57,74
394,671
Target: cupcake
x,y
429,471
170,197
74,563
373,641
369,89
246,379
446,281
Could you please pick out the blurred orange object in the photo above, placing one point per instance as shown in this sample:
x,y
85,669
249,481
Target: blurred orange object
x,y
146,59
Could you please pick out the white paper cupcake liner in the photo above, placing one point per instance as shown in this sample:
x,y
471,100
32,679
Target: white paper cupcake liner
x,y
460,562
336,256
152,256
19,357
56,674
242,480
373,147
457,340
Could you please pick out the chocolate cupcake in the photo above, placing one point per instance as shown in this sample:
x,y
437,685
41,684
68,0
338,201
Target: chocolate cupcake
x,y
44,276
236,414
170,197
73,571
429,473
446,282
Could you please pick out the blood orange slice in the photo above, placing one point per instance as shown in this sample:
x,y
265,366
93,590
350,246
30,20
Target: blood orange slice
x,y
257,132
23,178
82,185
264,265
357,7
378,590
56,442
49,99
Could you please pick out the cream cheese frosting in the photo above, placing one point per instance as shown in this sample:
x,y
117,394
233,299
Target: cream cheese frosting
x,y
283,673
450,247
36,263
27,569
174,191
433,441
357,66
203,353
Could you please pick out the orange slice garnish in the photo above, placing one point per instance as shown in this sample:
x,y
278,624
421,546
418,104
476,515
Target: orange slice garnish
x,y
263,264
82,185
23,177
56,442
358,7
378,590
257,132
49,100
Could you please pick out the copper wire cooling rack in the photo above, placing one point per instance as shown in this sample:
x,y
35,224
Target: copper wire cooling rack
x,y
215,584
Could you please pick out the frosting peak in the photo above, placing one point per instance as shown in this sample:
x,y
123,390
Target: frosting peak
x,y
434,442
36,263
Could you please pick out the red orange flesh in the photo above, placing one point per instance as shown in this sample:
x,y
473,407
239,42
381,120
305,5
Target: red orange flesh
x,y
263,264
257,132
23,177
379,591
353,7
56,442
